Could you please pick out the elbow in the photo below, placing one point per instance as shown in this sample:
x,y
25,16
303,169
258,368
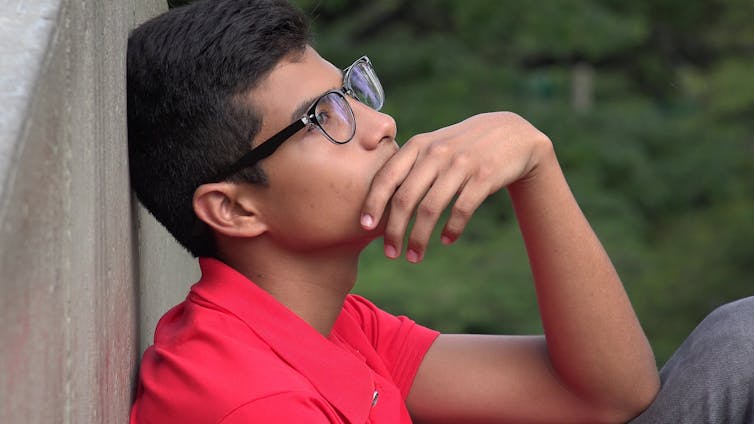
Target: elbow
x,y
644,396
635,402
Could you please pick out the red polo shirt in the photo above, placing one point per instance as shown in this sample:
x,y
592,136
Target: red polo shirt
x,y
231,353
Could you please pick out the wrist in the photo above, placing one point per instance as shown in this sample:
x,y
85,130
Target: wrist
x,y
542,162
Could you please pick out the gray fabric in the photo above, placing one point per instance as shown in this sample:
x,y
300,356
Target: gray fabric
x,y
710,379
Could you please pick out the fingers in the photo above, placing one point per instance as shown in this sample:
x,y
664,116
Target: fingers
x,y
470,160
421,185
384,185
466,204
418,184
429,210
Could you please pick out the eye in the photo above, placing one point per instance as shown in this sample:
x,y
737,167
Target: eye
x,y
322,117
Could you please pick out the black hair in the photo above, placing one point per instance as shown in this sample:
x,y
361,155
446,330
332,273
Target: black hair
x,y
189,74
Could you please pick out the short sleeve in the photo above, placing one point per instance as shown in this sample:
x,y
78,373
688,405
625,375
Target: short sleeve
x,y
288,407
400,342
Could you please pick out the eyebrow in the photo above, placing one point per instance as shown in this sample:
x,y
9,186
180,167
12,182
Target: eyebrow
x,y
303,107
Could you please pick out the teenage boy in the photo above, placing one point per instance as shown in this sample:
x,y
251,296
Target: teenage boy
x,y
276,168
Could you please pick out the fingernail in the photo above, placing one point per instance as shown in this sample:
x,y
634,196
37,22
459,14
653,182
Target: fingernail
x,y
412,256
446,240
366,220
390,251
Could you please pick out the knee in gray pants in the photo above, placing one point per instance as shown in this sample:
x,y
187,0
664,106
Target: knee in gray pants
x,y
710,378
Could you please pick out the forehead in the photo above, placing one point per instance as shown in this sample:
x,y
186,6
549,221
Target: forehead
x,y
295,79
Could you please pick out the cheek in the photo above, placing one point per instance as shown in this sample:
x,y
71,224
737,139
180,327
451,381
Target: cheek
x,y
340,200
317,190
346,191
318,203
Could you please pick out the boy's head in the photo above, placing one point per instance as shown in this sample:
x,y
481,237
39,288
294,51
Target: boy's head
x,y
208,81
188,75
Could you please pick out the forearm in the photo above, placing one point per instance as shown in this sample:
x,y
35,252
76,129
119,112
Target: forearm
x,y
595,342
598,366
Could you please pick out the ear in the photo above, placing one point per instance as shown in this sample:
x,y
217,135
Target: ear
x,y
229,209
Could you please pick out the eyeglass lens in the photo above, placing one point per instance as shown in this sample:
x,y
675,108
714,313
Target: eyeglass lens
x,y
366,87
332,112
335,117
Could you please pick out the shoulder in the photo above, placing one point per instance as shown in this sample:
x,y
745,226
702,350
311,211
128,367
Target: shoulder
x,y
360,307
373,320
208,365
368,318
394,337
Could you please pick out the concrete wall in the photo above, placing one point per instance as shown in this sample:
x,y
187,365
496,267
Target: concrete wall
x,y
84,273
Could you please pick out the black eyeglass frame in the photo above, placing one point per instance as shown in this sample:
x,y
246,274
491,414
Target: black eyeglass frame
x,y
268,147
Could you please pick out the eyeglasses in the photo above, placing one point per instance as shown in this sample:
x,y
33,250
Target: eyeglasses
x,y
330,113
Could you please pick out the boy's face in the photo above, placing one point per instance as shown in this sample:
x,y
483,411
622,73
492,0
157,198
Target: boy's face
x,y
317,187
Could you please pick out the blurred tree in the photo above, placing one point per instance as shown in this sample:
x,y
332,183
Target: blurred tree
x,y
650,105
660,157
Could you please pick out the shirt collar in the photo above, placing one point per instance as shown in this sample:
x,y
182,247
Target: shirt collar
x,y
339,377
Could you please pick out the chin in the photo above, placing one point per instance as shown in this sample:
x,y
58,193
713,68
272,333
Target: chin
x,y
364,238
369,236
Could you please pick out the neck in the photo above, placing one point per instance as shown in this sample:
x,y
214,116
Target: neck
x,y
312,284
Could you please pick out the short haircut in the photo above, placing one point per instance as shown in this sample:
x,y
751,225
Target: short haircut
x,y
189,73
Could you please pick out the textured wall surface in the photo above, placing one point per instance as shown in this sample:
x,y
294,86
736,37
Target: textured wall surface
x,y
71,259
166,273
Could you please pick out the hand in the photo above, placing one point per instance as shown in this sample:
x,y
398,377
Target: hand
x,y
472,159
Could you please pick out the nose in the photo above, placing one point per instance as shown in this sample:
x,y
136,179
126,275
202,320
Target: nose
x,y
372,127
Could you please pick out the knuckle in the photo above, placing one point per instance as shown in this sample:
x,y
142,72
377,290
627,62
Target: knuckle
x,y
438,149
377,198
391,235
401,200
461,160
418,239
427,210
416,141
453,229
462,210
484,173
394,234
384,176
419,138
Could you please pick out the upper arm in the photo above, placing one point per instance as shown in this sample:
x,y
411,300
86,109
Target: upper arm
x,y
399,342
476,378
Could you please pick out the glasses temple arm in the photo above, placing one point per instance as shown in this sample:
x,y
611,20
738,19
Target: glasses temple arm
x,y
263,150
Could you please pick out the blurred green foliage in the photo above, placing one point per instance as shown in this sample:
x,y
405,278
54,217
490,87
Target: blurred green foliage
x,y
661,156
650,105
